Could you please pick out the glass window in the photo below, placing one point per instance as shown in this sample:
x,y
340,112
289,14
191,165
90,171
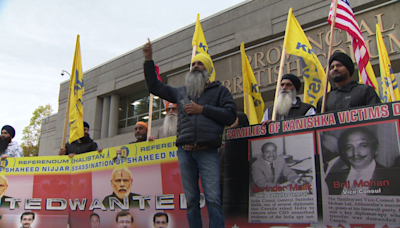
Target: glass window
x,y
135,107
122,108
131,122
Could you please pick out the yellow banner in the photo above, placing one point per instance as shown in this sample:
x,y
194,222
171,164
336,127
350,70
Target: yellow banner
x,y
386,70
199,40
133,155
35,165
253,102
77,90
296,43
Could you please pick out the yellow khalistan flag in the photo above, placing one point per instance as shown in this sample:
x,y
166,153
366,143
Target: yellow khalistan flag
x,y
253,102
199,40
371,76
296,43
76,91
386,71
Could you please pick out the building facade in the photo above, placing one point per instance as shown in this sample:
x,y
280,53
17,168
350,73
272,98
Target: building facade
x,y
115,93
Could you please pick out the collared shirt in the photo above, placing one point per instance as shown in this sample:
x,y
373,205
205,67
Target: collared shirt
x,y
13,150
365,175
310,112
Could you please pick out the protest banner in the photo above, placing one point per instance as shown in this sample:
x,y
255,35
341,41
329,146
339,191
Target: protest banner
x,y
337,169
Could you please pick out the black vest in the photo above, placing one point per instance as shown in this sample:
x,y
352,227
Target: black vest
x,y
298,109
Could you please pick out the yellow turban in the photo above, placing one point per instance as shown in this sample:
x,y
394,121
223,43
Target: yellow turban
x,y
203,58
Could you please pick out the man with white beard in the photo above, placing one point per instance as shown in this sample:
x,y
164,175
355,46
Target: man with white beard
x,y
170,122
204,109
288,104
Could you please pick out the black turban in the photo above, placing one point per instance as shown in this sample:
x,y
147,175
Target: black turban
x,y
85,124
294,79
10,130
344,59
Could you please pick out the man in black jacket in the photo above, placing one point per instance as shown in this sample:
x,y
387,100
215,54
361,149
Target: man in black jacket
x,y
204,109
80,146
346,93
288,104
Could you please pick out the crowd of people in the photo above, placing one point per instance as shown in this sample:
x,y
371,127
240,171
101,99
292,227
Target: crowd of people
x,y
197,113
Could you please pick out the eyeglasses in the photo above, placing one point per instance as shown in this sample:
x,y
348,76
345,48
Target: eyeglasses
x,y
124,222
161,222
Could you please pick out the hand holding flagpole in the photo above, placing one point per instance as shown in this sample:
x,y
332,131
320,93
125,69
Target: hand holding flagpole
x,y
150,107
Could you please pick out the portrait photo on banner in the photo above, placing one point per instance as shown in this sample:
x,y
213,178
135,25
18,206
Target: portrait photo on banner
x,y
112,186
360,159
282,161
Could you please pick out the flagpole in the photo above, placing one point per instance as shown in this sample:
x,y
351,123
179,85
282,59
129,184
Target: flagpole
x,y
278,86
194,50
66,114
329,55
150,116
150,112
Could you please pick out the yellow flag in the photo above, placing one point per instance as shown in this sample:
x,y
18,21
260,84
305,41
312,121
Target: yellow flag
x,y
199,40
386,70
296,43
77,90
371,76
253,102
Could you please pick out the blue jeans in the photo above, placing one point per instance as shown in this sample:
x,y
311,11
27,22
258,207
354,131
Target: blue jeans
x,y
206,163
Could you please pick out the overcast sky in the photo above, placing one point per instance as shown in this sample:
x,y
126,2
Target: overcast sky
x,y
37,41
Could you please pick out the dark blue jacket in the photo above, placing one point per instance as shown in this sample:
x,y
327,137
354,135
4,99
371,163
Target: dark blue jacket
x,y
219,110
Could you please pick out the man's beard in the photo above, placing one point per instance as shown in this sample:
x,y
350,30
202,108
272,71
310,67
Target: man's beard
x,y
285,101
4,144
85,138
170,124
339,78
195,82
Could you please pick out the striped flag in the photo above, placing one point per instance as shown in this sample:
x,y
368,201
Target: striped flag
x,y
346,21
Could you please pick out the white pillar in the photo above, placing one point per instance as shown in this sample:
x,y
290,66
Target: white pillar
x,y
105,117
113,120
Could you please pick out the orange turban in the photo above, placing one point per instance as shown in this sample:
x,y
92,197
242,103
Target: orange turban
x,y
142,123
169,103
